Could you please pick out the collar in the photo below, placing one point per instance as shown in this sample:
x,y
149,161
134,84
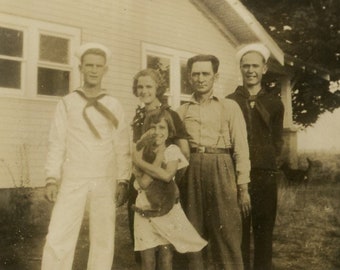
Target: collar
x,y
242,91
193,98
101,92
142,106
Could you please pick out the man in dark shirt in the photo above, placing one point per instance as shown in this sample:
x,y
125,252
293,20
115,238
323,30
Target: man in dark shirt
x,y
263,112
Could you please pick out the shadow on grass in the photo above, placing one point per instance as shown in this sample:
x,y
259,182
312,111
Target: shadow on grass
x,y
25,216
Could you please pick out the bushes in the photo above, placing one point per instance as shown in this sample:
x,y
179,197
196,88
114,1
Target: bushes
x,y
24,217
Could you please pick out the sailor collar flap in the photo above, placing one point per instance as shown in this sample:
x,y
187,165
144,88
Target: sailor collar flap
x,y
258,103
101,108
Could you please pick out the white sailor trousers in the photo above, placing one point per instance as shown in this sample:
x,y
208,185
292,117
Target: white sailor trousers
x,y
66,220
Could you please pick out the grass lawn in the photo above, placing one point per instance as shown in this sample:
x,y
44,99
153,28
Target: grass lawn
x,y
307,232
306,236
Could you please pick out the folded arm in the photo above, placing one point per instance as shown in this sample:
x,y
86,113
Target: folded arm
x,y
155,170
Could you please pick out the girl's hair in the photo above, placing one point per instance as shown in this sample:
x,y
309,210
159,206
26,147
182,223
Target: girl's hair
x,y
154,74
156,116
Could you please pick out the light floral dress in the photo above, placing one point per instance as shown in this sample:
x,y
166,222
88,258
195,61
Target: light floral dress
x,y
174,227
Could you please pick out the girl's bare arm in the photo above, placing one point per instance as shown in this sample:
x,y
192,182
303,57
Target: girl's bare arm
x,y
145,180
155,170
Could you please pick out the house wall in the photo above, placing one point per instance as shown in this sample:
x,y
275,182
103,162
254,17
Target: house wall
x,y
122,25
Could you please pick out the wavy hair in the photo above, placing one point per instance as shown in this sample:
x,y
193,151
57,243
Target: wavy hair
x,y
156,77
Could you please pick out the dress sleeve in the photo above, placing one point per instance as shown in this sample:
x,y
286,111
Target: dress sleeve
x,y
181,132
137,124
174,153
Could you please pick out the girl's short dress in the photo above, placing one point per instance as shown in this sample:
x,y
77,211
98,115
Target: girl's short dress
x,y
173,228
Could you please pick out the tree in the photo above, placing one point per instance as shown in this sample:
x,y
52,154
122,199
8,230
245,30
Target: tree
x,y
308,30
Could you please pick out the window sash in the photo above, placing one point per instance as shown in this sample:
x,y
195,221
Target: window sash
x,y
51,49
30,61
16,87
174,96
8,46
10,74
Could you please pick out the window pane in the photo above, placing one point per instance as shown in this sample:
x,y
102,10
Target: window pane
x,y
10,74
11,42
53,82
163,66
185,85
53,49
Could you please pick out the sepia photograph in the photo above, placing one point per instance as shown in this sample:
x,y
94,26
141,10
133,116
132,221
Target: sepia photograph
x,y
169,134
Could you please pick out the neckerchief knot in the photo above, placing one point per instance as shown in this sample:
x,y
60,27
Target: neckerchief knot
x,y
103,110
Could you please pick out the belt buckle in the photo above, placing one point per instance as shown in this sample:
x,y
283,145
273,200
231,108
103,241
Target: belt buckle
x,y
201,149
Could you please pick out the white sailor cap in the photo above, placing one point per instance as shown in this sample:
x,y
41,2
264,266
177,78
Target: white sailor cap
x,y
91,45
253,47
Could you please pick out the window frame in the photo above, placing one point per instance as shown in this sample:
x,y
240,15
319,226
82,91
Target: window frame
x,y
175,97
21,59
30,62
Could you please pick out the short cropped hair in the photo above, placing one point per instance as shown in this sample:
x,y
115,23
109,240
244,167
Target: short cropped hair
x,y
156,77
203,58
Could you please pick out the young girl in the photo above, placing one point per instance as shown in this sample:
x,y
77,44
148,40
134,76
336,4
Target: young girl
x,y
159,235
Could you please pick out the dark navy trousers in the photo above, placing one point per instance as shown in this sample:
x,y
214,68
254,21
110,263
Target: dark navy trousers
x,y
263,194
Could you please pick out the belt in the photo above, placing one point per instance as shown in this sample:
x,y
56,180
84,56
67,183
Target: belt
x,y
209,150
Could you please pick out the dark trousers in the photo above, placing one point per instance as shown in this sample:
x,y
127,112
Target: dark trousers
x,y
131,214
209,198
263,194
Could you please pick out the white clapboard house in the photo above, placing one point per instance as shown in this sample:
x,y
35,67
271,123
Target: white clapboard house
x,y
38,39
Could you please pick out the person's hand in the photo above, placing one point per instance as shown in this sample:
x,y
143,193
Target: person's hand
x,y
122,193
137,172
146,139
244,200
51,192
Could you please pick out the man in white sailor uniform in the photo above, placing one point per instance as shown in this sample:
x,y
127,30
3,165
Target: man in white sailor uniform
x,y
88,160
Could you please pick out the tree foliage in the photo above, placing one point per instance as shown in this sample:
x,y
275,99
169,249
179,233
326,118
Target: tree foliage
x,y
311,97
308,30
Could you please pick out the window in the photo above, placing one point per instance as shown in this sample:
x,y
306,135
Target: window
x,y
53,70
36,57
11,53
171,64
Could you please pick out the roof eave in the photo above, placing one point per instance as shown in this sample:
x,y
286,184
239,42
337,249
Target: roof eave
x,y
257,29
245,20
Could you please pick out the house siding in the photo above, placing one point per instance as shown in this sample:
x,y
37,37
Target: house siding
x,y
122,25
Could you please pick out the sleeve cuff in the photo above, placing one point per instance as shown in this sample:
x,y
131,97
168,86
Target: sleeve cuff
x,y
242,178
51,180
123,181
